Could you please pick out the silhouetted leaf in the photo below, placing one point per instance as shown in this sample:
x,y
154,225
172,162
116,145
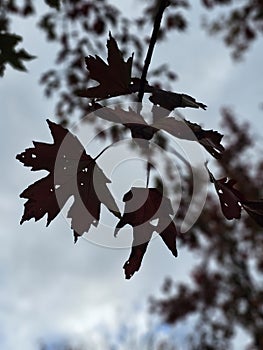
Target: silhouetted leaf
x,y
114,78
9,54
171,100
167,99
131,119
186,130
232,200
182,129
142,207
71,172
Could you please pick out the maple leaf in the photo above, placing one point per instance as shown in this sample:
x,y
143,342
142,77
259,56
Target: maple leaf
x,y
232,200
131,119
9,54
182,129
72,172
142,207
187,130
114,78
166,99
171,100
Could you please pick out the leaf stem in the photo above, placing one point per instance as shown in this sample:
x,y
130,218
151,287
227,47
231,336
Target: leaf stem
x,y
148,174
156,28
104,149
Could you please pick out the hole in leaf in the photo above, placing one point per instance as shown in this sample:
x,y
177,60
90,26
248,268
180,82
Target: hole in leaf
x,y
33,156
225,204
57,186
220,191
154,222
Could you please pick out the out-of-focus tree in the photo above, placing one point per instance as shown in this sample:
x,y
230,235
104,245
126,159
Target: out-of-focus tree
x,y
239,22
226,293
79,28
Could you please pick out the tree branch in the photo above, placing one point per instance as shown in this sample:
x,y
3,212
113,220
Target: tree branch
x,y
156,28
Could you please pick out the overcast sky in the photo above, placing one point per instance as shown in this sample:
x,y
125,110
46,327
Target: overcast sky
x,y
50,288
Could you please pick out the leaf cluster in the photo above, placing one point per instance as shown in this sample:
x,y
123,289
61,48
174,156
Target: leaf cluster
x,y
73,172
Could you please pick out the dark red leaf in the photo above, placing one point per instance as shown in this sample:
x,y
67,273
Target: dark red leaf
x,y
114,78
138,250
209,139
132,120
143,206
171,100
184,129
36,207
72,173
229,196
232,201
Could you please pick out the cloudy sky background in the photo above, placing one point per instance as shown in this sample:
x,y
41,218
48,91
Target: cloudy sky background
x,y
52,289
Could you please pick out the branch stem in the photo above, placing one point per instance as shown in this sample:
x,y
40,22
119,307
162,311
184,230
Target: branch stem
x,y
148,174
156,28
104,149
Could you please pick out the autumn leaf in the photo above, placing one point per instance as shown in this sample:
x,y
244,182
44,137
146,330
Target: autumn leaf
x,y
171,100
143,206
114,78
131,119
209,139
72,172
166,99
183,129
232,200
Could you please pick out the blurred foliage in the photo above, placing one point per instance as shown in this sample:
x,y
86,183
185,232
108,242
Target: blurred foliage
x,y
226,293
9,54
79,29
239,22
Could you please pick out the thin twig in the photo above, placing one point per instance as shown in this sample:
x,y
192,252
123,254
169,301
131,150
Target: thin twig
x,y
156,28
104,149
148,174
